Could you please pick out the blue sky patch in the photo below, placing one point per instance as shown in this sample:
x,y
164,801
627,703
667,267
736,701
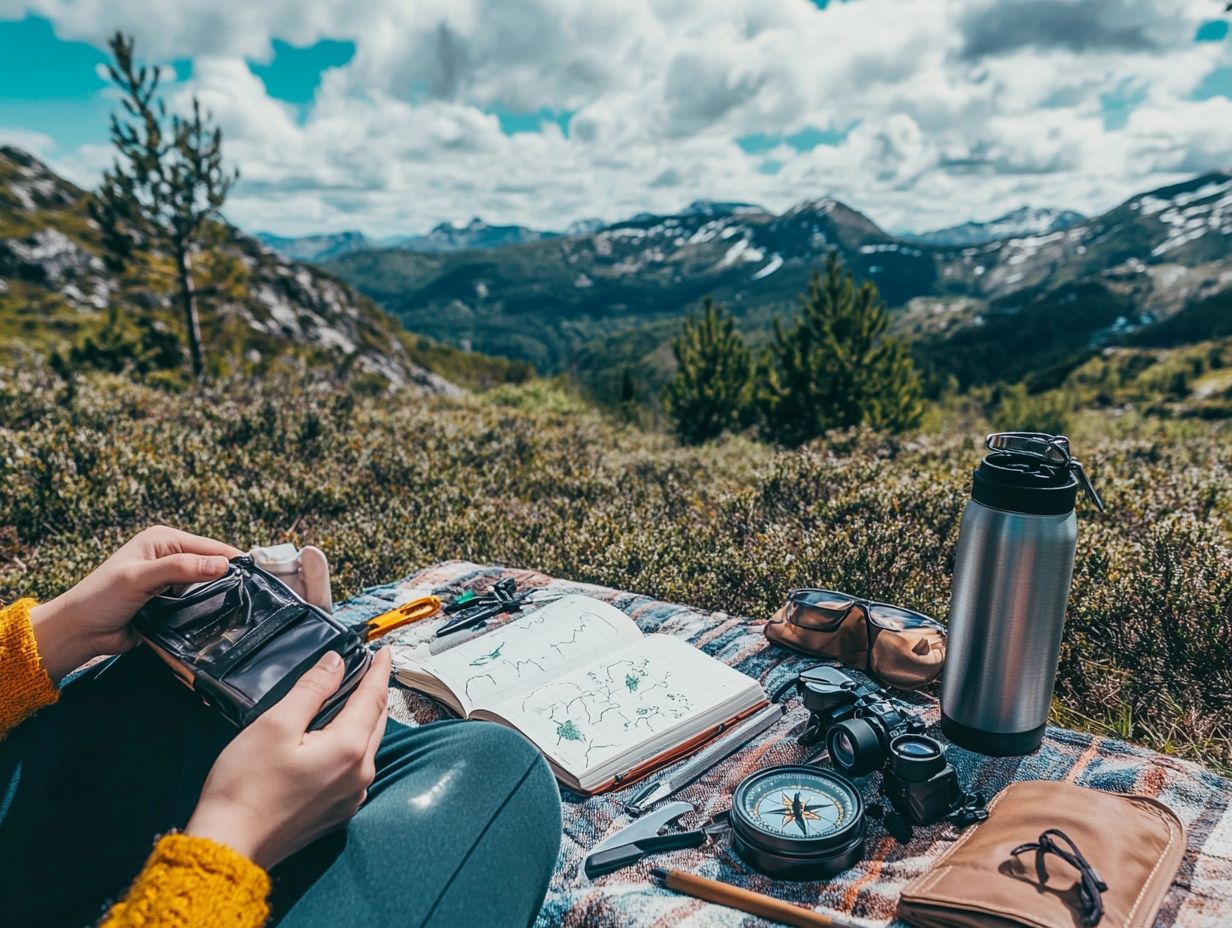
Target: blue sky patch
x,y
293,74
511,122
51,85
1213,30
1216,84
759,143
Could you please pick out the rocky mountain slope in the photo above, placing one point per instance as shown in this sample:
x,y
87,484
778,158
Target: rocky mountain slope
x,y
1022,221
981,312
54,286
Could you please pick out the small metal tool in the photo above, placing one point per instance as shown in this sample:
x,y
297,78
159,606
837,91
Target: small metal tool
x,y
646,835
724,746
472,610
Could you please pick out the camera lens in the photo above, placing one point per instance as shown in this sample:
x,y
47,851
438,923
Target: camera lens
x,y
854,747
915,758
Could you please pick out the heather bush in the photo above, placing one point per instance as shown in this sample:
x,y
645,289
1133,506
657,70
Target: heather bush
x,y
387,484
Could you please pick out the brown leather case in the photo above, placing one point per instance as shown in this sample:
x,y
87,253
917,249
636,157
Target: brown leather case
x,y
1134,843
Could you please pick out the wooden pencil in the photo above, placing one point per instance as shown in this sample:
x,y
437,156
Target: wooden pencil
x,y
745,901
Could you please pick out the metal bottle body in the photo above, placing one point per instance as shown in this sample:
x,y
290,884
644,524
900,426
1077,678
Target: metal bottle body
x,y
1012,577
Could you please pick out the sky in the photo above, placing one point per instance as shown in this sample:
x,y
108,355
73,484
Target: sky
x,y
389,116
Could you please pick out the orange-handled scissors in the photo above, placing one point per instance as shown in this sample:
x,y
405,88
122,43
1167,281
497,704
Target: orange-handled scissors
x,y
417,609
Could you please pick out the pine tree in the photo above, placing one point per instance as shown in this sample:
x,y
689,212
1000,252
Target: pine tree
x,y
835,368
165,186
712,388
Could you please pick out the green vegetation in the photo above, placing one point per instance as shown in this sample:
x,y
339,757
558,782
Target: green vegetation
x,y
164,192
525,475
835,368
712,391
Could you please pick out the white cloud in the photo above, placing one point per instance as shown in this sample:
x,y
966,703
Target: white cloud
x,y
960,108
37,143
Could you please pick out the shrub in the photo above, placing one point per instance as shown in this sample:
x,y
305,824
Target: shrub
x,y
835,368
711,391
389,484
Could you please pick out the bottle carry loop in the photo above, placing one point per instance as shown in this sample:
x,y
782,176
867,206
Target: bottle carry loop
x,y
1051,449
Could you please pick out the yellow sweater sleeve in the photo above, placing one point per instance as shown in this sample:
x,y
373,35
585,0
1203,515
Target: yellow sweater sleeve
x,y
25,686
193,883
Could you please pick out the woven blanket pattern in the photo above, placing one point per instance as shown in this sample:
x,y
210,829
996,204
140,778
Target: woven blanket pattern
x,y
1201,896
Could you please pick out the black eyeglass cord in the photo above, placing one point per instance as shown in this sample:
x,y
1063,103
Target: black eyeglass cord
x,y
1090,887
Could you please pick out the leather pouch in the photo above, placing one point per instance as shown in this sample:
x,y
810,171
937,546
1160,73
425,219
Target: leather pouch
x,y
898,647
1134,843
241,641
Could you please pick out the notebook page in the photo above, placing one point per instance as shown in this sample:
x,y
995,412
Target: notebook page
x,y
590,717
526,653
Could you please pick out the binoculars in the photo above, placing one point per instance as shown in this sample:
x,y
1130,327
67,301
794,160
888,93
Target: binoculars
x,y
865,730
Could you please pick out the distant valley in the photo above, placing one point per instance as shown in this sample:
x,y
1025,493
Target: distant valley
x,y
1155,269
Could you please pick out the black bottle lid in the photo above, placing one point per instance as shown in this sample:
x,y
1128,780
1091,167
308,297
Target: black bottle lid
x,y
1017,483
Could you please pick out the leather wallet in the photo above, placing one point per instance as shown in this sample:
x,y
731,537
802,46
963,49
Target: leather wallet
x,y
241,641
995,877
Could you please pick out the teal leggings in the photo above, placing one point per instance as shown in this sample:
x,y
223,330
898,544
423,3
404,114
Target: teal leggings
x,y
461,827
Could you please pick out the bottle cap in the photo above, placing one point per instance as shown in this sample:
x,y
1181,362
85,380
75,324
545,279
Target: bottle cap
x,y
1017,483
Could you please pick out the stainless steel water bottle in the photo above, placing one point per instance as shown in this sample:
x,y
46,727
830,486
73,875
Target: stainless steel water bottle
x,y
1011,584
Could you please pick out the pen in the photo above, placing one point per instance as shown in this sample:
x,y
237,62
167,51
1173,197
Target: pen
x,y
723,746
744,900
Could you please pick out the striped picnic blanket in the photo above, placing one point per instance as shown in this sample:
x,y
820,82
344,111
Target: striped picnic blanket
x,y
1201,896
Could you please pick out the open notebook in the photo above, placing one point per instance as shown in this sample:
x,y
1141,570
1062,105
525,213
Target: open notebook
x,y
603,702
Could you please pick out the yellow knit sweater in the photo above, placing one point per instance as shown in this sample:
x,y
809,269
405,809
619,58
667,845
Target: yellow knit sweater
x,y
186,882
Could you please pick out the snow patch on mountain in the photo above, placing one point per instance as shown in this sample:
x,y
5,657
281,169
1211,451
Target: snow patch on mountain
x,y
1024,221
742,250
775,262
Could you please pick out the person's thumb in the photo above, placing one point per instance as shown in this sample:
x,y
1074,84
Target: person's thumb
x,y
296,710
176,569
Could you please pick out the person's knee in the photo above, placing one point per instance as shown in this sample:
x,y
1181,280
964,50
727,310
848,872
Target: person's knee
x,y
520,769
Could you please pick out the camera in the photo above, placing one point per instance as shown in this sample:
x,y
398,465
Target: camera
x,y
865,730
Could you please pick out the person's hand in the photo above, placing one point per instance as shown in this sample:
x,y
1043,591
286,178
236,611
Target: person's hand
x,y
92,618
277,787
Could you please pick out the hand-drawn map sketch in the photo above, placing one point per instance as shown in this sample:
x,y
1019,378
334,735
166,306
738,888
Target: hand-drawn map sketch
x,y
599,710
539,647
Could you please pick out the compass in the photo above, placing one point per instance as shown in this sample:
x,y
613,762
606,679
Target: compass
x,y
798,822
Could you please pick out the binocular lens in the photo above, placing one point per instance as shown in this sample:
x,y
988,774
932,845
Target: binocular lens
x,y
843,751
855,747
917,749
916,757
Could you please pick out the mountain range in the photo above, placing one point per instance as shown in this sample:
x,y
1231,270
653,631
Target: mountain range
x,y
55,287
446,236
999,310
1023,221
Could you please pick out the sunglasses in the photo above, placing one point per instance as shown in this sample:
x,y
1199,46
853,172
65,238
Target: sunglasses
x,y
900,647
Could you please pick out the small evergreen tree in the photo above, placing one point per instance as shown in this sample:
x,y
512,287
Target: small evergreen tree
x,y
711,391
165,185
835,368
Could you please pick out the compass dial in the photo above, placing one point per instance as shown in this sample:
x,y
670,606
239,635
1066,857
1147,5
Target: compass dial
x,y
798,821
799,804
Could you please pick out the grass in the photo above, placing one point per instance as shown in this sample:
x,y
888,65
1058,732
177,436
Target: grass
x,y
529,475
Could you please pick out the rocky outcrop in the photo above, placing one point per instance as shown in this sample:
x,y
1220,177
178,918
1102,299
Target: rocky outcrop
x,y
48,243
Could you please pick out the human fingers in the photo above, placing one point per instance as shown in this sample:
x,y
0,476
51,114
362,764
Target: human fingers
x,y
367,705
296,710
378,730
166,540
173,569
